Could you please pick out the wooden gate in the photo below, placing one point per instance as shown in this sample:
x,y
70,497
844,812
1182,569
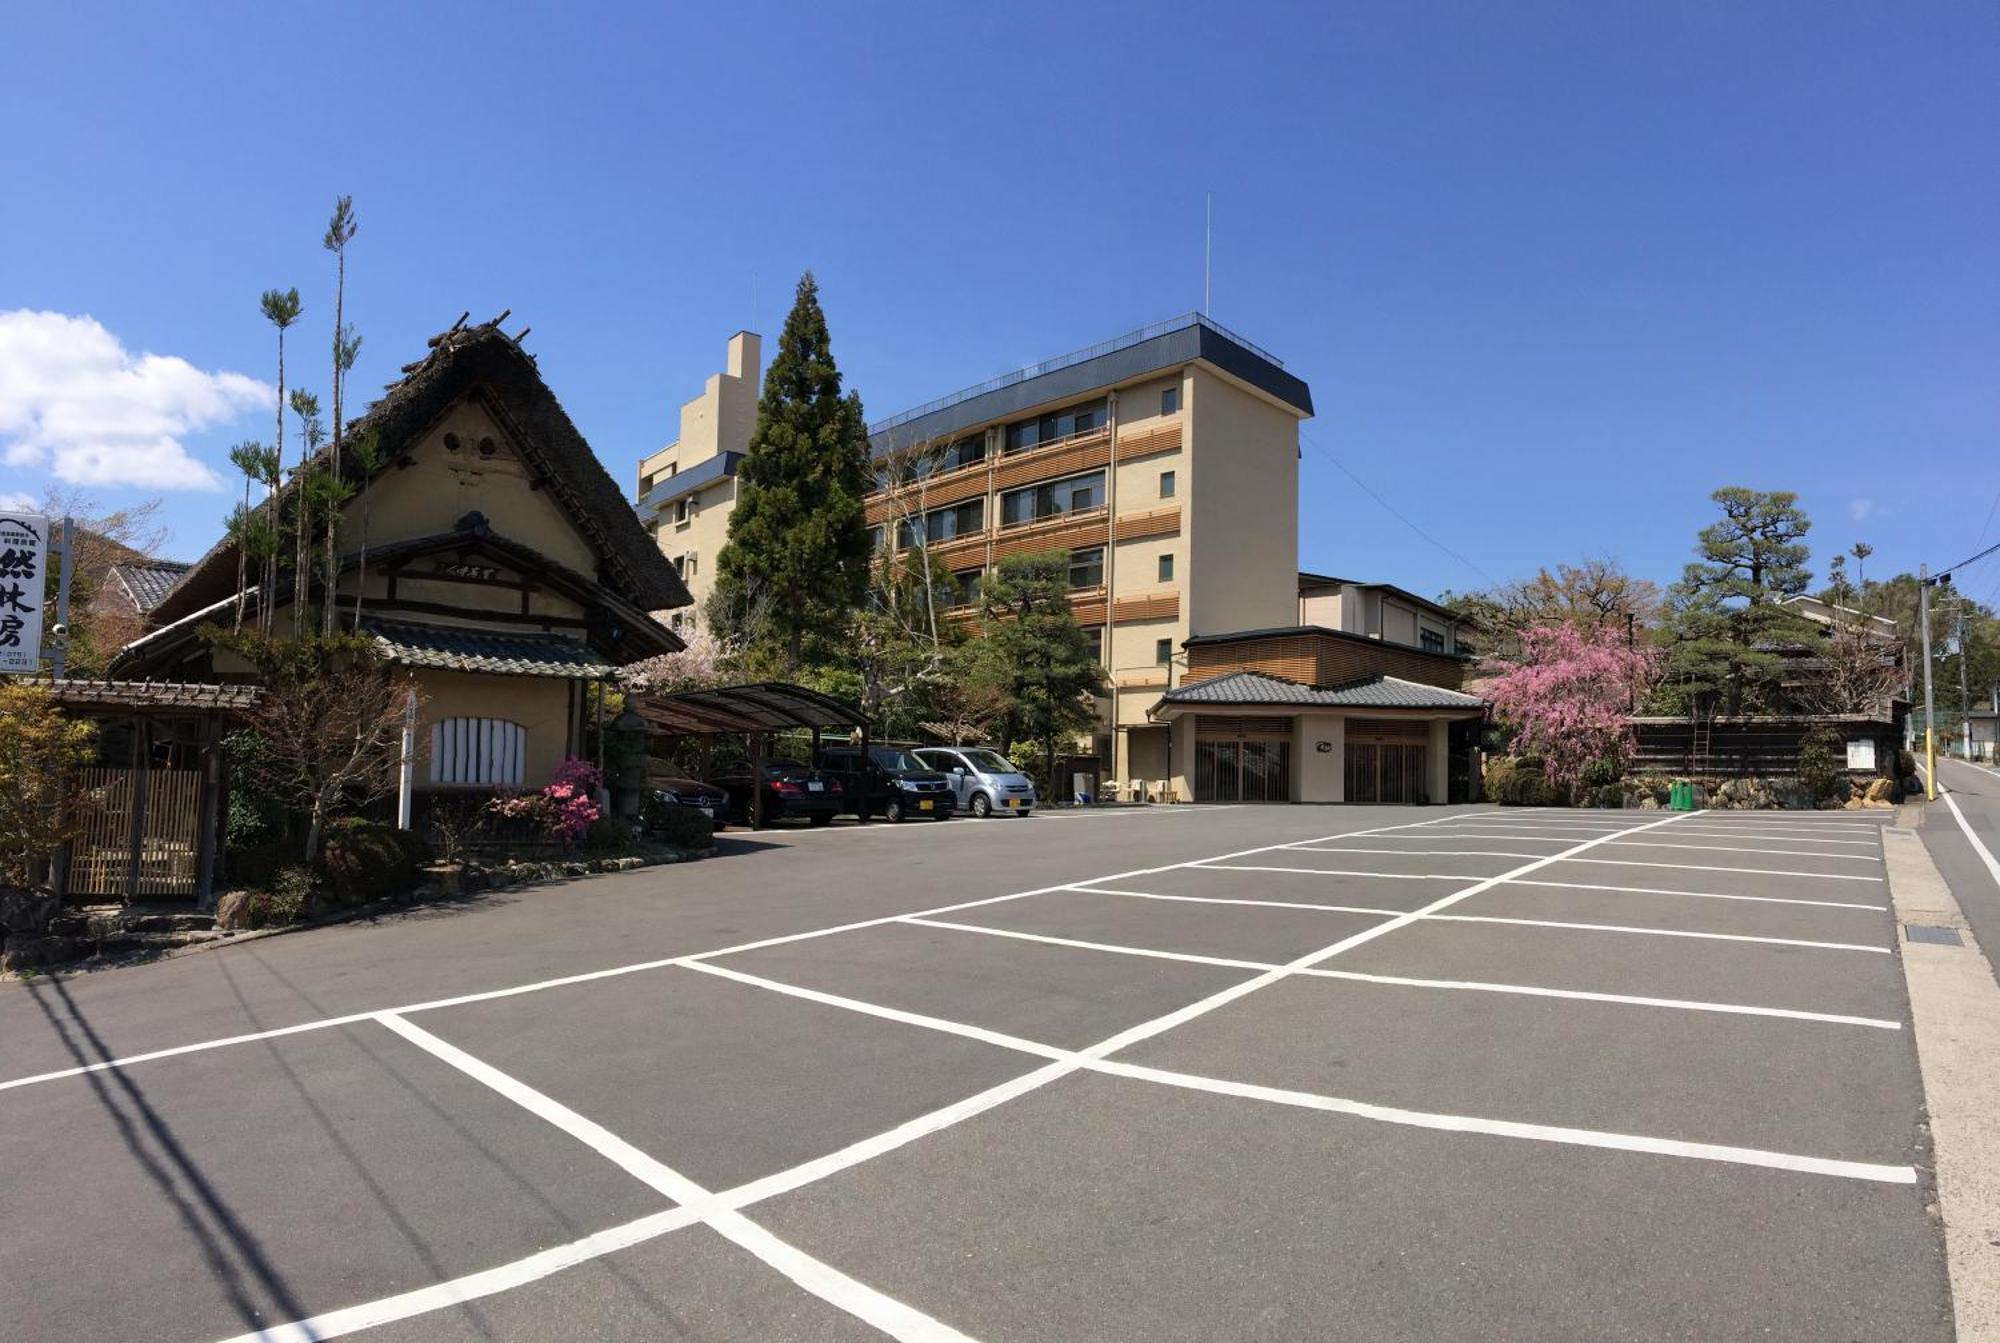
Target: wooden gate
x,y
139,835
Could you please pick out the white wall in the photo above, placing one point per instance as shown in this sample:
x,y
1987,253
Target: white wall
x,y
1319,776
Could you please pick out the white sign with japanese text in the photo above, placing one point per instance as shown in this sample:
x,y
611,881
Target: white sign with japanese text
x,y
24,557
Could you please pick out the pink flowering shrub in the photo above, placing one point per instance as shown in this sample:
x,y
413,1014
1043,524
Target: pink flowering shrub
x,y
1568,697
565,808
572,799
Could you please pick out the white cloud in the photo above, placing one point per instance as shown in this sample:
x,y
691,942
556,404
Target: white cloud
x,y
13,502
1860,509
73,399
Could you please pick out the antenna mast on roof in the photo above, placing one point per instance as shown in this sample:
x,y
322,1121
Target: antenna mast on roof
x,y
1207,245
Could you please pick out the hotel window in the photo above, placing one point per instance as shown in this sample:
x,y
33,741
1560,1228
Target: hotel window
x,y
1025,434
1163,651
942,524
876,536
1166,484
1432,640
1167,568
1086,568
1170,400
477,751
964,452
964,590
683,511
1094,636
1075,495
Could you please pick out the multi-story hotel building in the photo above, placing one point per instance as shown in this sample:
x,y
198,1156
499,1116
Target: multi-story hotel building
x,y
1165,462
687,488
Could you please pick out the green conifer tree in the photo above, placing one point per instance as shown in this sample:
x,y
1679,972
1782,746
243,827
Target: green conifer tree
x,y
796,563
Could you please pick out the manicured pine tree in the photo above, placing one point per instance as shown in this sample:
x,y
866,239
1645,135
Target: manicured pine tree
x,y
281,309
796,564
1726,613
1037,653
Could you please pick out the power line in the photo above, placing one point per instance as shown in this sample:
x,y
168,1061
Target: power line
x,y
1983,527
1398,513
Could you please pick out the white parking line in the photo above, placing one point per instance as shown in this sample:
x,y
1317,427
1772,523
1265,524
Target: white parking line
x,y
1514,836
637,967
1778,838
1415,1118
1393,915
885,1313
1421,853
1501,1128
1747,871
1336,872
1635,1000
1738,848
1524,881
1079,943
494,1280
1658,932
1225,900
1704,895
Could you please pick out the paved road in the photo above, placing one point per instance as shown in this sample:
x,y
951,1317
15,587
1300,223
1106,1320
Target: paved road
x,y
1189,1073
1976,790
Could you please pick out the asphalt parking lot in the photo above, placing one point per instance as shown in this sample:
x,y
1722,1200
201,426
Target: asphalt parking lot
x,y
1188,1073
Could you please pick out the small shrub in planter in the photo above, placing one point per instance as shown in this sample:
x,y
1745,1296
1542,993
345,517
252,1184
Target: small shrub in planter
x,y
1524,784
1821,763
608,834
682,828
364,860
291,892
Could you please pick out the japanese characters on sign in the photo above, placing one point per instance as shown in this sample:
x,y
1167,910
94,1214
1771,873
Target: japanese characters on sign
x,y
24,554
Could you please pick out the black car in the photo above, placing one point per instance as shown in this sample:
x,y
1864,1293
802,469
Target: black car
x,y
894,784
791,791
677,790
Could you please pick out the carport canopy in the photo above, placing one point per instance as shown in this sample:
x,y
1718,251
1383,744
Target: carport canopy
x,y
765,706
757,710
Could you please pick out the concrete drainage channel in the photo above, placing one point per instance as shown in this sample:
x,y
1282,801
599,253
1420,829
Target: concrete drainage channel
x,y
1955,1010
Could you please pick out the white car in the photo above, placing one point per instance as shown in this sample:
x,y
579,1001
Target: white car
x,y
985,782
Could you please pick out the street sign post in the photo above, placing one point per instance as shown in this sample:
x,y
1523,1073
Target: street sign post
x,y
24,558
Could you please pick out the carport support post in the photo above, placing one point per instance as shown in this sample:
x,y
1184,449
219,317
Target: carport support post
x,y
861,803
756,781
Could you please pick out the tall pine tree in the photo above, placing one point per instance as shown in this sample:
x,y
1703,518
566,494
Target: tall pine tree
x,y
796,564
1726,619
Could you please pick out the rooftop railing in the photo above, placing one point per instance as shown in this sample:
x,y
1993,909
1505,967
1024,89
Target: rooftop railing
x,y
1062,361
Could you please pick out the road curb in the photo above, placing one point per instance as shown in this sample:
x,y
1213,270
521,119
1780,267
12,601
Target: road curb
x,y
1955,1015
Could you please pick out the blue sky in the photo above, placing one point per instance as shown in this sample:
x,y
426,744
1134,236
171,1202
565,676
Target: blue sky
x,y
1554,272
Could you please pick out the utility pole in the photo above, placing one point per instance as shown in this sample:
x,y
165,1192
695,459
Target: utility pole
x,y
1930,701
1964,699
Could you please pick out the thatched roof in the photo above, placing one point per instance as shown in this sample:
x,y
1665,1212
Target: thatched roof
x,y
483,362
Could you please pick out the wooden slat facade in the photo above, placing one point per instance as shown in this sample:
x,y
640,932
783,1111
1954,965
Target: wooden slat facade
x,y
1751,747
139,833
1145,526
1323,660
1152,442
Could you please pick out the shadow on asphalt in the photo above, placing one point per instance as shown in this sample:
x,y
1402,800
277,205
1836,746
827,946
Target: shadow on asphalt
x,y
228,1246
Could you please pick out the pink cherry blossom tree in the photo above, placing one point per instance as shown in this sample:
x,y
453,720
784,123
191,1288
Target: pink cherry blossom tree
x,y
1567,697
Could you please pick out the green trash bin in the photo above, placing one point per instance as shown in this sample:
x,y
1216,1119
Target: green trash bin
x,y
1680,797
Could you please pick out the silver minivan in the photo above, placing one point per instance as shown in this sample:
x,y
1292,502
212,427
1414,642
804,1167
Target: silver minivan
x,y
986,782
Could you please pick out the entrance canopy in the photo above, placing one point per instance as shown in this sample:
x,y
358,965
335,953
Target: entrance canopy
x,y
766,706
